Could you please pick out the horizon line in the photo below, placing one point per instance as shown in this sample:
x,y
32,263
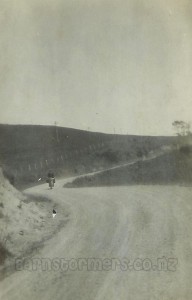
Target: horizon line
x,y
107,133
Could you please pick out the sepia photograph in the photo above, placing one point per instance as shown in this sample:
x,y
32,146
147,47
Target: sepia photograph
x,y
95,149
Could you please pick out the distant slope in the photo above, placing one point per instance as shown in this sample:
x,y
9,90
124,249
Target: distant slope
x,y
170,168
28,151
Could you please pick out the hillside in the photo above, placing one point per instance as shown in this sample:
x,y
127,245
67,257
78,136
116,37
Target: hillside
x,y
171,168
28,151
25,223
17,218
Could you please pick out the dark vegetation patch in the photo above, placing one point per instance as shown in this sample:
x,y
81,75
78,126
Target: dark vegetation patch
x,y
4,253
186,149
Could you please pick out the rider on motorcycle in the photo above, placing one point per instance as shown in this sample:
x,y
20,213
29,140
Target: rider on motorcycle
x,y
50,178
50,174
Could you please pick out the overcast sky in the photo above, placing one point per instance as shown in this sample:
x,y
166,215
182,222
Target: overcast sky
x,y
117,65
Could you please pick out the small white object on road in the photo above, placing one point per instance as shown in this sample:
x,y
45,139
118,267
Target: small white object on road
x,y
54,213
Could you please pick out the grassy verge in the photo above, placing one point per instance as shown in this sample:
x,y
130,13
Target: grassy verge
x,y
170,168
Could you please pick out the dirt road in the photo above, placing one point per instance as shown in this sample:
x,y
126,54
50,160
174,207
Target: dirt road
x,y
127,243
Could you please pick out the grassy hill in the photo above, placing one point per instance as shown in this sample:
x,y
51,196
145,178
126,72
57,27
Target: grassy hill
x,y
28,151
174,167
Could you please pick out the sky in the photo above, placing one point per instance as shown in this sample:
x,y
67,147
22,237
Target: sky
x,y
122,66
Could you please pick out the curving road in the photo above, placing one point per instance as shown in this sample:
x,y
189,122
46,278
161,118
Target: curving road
x,y
110,247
